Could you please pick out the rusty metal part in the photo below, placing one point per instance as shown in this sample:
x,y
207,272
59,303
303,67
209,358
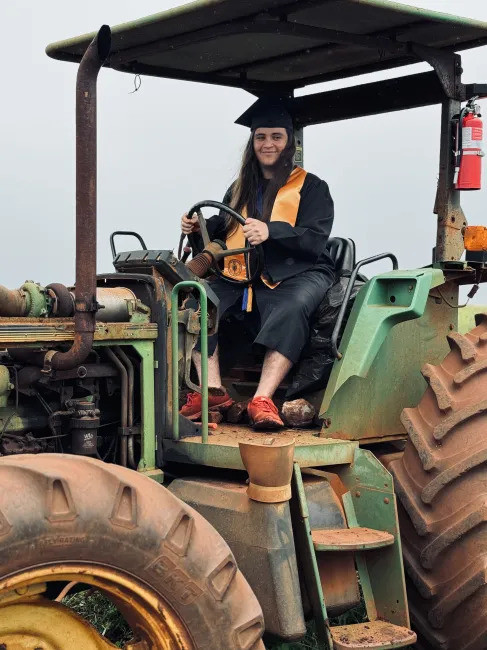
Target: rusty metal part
x,y
441,482
17,332
116,304
350,539
13,302
85,302
451,219
270,467
130,414
374,635
73,518
337,571
65,591
28,375
298,413
200,265
124,403
21,444
63,300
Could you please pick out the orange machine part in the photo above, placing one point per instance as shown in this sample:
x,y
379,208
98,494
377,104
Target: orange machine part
x,y
475,238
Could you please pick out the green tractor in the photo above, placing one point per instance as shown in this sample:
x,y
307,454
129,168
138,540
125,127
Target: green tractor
x,y
217,538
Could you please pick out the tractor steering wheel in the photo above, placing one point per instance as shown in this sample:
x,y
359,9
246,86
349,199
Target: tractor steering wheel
x,y
258,250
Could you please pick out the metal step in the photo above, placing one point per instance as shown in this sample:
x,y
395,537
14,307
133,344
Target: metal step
x,y
375,635
350,539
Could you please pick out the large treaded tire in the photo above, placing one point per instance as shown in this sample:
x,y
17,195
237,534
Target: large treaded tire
x,y
441,481
58,509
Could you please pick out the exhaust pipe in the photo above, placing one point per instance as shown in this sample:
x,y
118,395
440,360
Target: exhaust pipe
x,y
85,290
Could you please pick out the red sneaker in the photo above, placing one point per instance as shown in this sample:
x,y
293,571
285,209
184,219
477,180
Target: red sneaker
x,y
218,399
263,413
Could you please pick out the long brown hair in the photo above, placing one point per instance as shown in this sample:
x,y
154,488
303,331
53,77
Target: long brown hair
x,y
245,188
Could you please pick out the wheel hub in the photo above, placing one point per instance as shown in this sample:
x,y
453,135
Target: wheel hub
x,y
29,621
46,625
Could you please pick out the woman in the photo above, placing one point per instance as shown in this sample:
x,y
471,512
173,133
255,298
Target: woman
x,y
290,213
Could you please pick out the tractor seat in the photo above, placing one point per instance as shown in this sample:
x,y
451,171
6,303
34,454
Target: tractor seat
x,y
342,252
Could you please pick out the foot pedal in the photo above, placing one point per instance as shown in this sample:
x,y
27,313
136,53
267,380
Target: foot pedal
x,y
375,635
350,539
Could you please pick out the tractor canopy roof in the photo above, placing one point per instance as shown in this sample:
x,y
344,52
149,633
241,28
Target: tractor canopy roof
x,y
276,46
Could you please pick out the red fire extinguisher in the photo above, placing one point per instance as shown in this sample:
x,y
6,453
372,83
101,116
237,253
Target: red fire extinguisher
x,y
468,149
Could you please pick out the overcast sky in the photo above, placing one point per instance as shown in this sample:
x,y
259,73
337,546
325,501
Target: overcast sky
x,y
173,143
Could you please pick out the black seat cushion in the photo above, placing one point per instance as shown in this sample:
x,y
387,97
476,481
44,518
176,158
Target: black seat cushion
x,y
342,251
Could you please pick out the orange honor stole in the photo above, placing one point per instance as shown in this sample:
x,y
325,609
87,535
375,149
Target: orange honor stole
x,y
285,208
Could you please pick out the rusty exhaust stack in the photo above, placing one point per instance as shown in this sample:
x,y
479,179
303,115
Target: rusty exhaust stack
x,y
85,291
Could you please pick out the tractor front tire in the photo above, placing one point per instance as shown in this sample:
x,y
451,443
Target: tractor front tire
x,y
441,481
69,518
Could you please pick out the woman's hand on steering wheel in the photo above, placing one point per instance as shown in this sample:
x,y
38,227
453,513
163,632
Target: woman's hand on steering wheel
x,y
189,224
255,231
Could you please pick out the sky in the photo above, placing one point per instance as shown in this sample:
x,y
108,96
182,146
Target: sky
x,y
173,143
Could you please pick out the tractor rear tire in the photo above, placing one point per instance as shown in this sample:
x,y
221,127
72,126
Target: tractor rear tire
x,y
441,481
66,511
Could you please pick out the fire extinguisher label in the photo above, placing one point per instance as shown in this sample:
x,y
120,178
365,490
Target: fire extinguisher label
x,y
471,137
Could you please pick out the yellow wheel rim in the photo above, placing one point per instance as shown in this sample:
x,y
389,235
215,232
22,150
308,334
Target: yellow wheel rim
x,y
31,622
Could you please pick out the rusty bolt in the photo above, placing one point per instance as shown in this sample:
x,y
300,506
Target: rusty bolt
x,y
451,326
386,500
357,493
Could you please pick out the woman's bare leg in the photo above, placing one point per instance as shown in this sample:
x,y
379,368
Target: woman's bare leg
x,y
274,369
214,378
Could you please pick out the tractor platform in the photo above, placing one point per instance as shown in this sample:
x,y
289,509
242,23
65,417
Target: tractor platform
x,y
374,635
222,449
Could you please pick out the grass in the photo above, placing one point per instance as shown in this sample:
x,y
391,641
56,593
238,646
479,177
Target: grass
x,y
93,606
310,641
105,617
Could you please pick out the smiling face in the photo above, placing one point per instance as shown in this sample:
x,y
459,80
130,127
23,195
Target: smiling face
x,y
269,144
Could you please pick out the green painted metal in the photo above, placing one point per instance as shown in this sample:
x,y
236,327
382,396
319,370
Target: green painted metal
x,y
466,317
213,454
5,386
38,299
372,504
20,420
145,351
384,346
385,301
302,533
189,284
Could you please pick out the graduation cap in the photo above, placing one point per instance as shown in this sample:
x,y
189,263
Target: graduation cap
x,y
266,112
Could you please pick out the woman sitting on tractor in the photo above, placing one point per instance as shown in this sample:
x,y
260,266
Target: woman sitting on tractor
x,y
289,212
